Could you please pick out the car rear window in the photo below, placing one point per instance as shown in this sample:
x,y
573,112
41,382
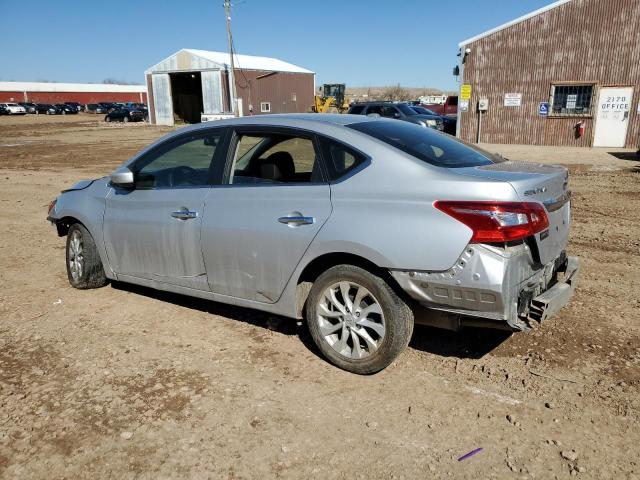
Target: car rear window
x,y
426,144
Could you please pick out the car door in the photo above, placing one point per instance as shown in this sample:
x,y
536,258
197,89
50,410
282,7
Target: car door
x,y
258,224
152,231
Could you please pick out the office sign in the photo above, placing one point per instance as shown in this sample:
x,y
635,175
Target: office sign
x,y
512,99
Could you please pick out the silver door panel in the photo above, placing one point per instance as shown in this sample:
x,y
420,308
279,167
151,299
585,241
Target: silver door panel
x,y
144,238
248,251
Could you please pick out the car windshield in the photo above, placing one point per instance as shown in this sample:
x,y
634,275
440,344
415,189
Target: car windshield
x,y
423,111
426,144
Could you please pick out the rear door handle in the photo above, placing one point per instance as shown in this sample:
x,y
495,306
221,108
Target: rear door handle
x,y
297,220
184,214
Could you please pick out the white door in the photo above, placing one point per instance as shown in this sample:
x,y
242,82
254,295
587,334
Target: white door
x,y
612,118
162,100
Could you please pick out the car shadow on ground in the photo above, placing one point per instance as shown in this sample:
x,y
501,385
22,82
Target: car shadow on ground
x,y
472,343
634,156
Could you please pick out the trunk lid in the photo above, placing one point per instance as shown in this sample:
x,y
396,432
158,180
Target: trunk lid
x,y
536,182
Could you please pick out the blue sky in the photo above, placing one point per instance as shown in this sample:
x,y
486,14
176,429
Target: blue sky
x,y
358,42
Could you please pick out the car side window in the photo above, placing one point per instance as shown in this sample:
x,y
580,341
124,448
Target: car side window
x,y
357,110
374,109
183,163
267,158
389,112
339,158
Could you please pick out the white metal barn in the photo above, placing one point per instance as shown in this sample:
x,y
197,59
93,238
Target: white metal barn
x,y
193,84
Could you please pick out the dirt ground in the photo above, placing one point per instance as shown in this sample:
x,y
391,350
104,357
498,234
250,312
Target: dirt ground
x,y
126,382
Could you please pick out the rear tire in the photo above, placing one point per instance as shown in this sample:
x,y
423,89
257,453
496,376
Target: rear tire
x,y
125,119
84,267
367,331
107,118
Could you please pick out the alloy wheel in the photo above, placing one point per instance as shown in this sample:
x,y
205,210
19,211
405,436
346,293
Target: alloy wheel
x,y
76,258
351,320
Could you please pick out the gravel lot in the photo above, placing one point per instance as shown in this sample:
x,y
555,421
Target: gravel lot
x,y
126,382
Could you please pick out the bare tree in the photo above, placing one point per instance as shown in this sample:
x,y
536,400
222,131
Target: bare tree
x,y
395,93
115,81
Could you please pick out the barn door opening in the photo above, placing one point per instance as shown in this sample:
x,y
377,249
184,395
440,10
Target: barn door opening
x,y
186,89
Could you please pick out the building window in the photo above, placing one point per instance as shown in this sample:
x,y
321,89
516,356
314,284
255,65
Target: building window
x,y
571,99
265,107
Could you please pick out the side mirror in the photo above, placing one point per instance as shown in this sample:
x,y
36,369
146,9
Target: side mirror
x,y
122,177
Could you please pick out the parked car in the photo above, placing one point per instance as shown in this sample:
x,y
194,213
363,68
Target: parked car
x,y
108,106
29,107
13,109
67,109
78,106
135,105
95,108
366,225
449,121
48,109
449,107
399,111
124,115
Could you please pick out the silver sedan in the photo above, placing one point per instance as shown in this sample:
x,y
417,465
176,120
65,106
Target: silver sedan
x,y
361,226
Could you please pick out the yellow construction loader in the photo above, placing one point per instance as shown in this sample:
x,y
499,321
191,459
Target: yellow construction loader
x,y
331,99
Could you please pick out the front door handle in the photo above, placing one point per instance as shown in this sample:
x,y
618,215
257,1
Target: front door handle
x,y
184,214
297,219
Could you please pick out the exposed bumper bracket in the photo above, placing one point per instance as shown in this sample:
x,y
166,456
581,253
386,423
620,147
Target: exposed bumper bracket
x,y
549,302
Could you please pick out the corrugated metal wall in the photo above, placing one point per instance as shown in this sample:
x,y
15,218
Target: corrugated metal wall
x,y
211,91
162,99
590,41
286,92
151,105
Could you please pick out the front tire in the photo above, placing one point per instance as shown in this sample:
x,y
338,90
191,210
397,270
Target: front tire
x,y
357,321
125,119
107,119
84,267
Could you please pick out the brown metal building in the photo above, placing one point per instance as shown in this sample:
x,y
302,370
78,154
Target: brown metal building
x,y
193,86
567,74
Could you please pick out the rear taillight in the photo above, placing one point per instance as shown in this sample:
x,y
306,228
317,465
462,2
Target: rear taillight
x,y
493,222
52,205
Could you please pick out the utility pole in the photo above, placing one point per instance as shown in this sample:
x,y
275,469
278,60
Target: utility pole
x,y
232,77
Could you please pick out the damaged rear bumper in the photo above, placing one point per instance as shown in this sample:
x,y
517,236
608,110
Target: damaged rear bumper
x,y
492,286
551,301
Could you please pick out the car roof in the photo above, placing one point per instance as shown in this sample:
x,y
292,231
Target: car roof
x,y
323,123
377,102
302,120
